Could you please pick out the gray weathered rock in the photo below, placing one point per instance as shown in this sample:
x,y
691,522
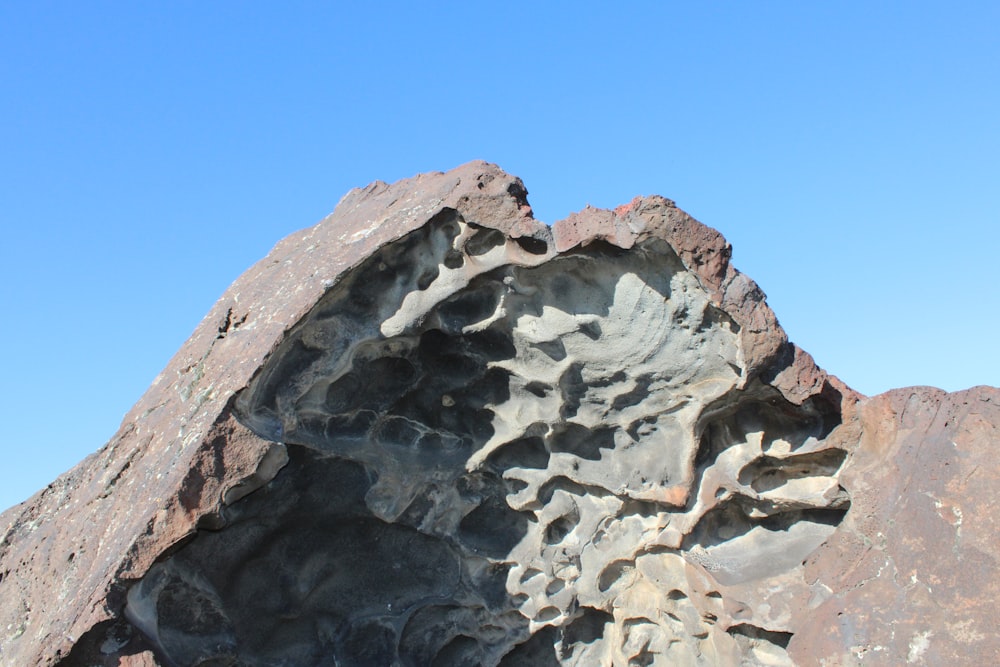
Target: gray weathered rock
x,y
431,430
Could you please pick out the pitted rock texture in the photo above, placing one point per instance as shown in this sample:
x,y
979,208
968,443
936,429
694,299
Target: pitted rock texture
x,y
532,446
432,431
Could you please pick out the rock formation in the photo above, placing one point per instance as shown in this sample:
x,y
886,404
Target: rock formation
x,y
433,431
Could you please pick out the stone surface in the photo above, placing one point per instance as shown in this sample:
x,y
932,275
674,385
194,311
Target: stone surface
x,y
433,431
914,568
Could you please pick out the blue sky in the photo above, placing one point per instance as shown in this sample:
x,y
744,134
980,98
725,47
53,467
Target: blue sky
x,y
151,152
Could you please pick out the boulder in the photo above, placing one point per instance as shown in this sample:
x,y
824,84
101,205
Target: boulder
x,y
431,430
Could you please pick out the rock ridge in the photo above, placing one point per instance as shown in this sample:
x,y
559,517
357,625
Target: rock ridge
x,y
433,430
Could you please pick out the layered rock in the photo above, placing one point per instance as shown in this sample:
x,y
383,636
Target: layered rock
x,y
431,430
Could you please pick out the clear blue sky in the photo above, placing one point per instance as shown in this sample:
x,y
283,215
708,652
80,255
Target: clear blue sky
x,y
150,152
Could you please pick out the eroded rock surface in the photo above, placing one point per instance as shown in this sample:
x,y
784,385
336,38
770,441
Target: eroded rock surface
x,y
432,431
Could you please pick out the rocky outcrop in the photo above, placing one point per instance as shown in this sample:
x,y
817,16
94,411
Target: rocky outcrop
x,y
433,431
913,567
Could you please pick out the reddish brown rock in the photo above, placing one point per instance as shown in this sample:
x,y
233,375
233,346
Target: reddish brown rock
x,y
913,570
612,456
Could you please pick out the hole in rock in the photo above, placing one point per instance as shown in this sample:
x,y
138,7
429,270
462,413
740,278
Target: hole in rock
x,y
560,483
532,245
468,308
539,389
591,330
557,531
587,628
767,473
554,349
752,632
527,452
762,410
573,389
613,573
547,614
484,240
581,441
634,396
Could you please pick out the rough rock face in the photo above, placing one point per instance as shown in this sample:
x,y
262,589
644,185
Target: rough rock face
x,y
433,431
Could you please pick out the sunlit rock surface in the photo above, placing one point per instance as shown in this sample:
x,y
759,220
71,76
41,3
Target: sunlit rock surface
x,y
432,431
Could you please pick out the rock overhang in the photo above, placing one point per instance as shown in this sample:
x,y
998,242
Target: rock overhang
x,y
513,401
498,436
